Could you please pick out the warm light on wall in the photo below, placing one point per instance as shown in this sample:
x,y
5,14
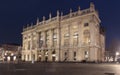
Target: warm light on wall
x,y
117,53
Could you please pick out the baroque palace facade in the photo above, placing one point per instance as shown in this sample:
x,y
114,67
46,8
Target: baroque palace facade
x,y
74,37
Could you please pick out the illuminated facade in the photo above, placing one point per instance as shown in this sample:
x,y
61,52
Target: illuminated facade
x,y
10,52
74,37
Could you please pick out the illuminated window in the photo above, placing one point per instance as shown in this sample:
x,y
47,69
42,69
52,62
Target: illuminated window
x,y
66,39
86,34
47,38
54,39
40,40
75,39
14,58
8,58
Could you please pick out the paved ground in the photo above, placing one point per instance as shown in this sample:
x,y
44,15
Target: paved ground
x,y
59,69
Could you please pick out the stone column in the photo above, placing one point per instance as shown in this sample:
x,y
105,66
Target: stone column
x,y
80,54
58,56
31,44
43,46
70,31
42,55
44,39
50,55
92,51
37,40
51,37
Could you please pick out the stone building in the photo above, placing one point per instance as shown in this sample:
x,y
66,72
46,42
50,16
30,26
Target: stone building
x,y
74,37
10,52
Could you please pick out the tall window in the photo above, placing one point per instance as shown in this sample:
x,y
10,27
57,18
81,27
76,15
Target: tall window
x,y
86,34
47,38
34,44
40,40
66,39
54,38
75,39
65,56
28,45
86,54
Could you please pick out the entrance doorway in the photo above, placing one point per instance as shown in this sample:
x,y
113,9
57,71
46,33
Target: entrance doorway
x,y
53,58
39,59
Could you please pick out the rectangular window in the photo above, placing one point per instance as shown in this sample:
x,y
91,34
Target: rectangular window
x,y
86,25
74,55
47,38
66,39
40,40
54,39
75,39
34,44
86,54
28,45
66,42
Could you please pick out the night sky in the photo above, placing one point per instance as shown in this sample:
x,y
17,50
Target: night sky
x,y
14,14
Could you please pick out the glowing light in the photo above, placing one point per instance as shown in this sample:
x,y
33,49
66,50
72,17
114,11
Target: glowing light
x,y
12,54
8,58
14,58
117,53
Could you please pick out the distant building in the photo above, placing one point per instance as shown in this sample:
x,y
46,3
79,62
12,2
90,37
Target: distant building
x,y
109,56
77,36
10,52
1,54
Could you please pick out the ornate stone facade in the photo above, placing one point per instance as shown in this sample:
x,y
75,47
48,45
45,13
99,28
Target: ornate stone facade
x,y
76,36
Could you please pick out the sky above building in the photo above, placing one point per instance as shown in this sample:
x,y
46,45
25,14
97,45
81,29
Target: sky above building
x,y
14,14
